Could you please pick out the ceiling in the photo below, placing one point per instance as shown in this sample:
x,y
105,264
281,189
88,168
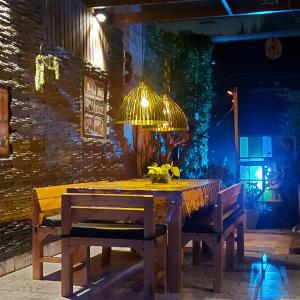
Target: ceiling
x,y
137,11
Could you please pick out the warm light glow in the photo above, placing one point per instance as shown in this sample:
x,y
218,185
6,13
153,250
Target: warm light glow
x,y
175,117
142,106
144,102
97,39
230,93
167,109
101,17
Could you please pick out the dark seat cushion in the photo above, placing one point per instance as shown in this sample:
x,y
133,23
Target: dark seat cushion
x,y
52,221
232,217
203,223
115,231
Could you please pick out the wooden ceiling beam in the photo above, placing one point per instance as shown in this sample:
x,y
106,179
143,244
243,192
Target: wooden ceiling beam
x,y
111,3
167,15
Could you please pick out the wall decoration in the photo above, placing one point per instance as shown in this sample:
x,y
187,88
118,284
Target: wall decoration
x,y
273,48
4,147
94,108
40,64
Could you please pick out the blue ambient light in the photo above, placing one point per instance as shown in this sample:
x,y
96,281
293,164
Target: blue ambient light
x,y
264,258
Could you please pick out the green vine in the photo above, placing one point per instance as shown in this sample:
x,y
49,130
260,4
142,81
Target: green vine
x,y
191,87
40,64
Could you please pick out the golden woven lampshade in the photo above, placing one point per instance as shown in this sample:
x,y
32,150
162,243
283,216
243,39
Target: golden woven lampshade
x,y
142,106
176,119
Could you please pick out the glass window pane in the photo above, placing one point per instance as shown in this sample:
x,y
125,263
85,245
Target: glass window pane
x,y
267,146
245,172
255,173
244,146
255,147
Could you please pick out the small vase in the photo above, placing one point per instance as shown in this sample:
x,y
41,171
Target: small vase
x,y
165,178
155,178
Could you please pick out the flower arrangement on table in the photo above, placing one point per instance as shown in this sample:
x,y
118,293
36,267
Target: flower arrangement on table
x,y
162,174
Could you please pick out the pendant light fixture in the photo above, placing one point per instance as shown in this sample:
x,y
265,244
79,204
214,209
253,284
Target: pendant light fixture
x,y
174,115
142,105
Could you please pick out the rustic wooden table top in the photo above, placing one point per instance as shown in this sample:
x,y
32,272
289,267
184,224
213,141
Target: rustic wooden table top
x,y
175,185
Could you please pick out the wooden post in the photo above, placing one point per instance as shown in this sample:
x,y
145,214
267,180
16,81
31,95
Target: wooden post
x,y
236,135
230,251
196,252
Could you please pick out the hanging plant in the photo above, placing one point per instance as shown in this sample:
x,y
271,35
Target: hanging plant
x,y
40,64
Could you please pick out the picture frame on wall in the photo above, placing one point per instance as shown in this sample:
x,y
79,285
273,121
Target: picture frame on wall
x,y
94,108
4,122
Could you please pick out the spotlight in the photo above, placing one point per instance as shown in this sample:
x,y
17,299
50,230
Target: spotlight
x,y
101,17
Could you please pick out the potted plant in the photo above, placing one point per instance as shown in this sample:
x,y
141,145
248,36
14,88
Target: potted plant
x,y
162,174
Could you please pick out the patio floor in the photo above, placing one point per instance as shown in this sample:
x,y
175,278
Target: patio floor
x,y
278,278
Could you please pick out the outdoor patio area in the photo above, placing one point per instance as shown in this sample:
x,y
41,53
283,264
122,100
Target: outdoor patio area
x,y
276,278
149,149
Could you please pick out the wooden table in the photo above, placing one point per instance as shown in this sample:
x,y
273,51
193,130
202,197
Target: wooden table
x,y
175,200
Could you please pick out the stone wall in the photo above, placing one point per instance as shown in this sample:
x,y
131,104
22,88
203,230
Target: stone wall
x,y
46,141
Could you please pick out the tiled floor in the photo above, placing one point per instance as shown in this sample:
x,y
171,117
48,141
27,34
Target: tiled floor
x,y
277,278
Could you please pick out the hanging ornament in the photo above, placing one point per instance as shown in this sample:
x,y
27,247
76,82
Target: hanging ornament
x,y
40,65
273,48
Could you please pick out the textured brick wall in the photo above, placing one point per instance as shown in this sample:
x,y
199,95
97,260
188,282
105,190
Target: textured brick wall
x,y
45,129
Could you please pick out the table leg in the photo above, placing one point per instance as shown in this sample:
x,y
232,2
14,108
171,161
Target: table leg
x,y
174,249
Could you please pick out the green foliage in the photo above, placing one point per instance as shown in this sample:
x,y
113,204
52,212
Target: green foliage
x,y
164,169
40,64
191,85
290,119
218,172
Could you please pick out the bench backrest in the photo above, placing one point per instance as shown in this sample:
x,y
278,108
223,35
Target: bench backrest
x,y
47,200
78,208
228,201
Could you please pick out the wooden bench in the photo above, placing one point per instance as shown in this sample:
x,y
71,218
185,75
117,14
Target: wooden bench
x,y
217,223
46,221
111,220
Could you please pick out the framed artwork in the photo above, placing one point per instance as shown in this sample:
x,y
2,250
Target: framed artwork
x,y
94,108
4,123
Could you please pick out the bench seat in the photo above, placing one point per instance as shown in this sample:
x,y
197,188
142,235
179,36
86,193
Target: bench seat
x,y
215,224
197,224
52,221
113,230
46,221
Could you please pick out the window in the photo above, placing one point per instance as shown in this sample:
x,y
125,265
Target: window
x,y
255,160
4,118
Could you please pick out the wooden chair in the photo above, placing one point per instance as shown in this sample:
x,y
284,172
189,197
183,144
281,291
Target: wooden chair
x,y
215,224
46,221
111,220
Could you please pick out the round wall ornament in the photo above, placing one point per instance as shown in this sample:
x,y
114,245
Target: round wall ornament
x,y
273,48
